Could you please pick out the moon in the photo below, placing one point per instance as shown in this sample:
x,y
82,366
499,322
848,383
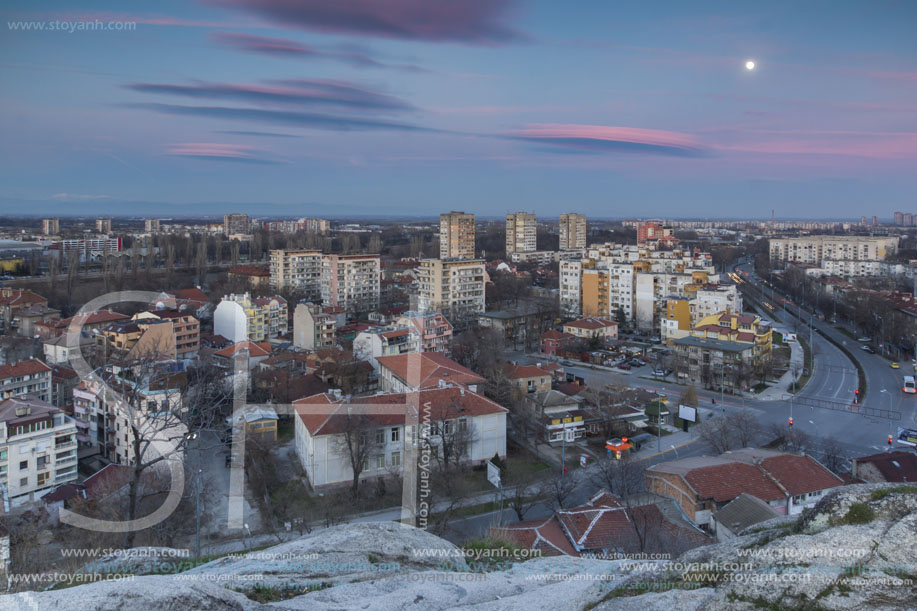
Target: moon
x,y
749,65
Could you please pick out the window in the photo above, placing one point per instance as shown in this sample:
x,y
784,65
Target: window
x,y
380,437
3,454
23,465
396,459
23,482
396,434
380,461
463,425
43,478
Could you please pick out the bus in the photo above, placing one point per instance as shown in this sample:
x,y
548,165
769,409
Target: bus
x,y
907,437
909,384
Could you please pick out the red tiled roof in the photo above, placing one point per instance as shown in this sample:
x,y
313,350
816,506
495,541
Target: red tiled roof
x,y
255,349
93,318
800,474
22,368
725,482
543,534
106,480
570,389
745,336
445,403
519,372
904,471
426,369
394,334
554,334
591,323
18,297
192,294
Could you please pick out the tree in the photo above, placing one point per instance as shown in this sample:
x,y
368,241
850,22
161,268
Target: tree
x,y
716,433
525,493
745,427
559,488
689,397
832,453
452,435
358,441
622,477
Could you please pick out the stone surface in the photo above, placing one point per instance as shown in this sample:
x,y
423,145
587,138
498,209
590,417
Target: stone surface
x,y
815,562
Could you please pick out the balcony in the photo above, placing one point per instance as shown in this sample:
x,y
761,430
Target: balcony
x,y
64,460
65,446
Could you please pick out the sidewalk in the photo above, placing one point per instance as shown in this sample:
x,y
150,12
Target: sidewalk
x,y
778,391
651,449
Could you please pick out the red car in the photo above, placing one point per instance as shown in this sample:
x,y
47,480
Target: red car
x,y
624,366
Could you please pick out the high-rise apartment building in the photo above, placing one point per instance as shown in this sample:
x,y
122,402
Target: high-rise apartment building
x,y
351,281
454,287
572,231
151,225
456,235
297,269
899,218
520,232
814,249
103,226
236,224
50,226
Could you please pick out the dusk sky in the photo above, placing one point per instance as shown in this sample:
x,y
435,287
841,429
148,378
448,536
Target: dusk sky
x,y
413,107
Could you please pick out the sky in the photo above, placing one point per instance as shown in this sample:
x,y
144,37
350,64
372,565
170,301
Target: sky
x,y
413,107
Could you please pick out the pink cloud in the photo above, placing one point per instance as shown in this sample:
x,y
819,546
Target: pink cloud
x,y
218,152
465,21
607,138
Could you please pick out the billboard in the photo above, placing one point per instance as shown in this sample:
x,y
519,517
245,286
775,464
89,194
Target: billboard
x,y
686,412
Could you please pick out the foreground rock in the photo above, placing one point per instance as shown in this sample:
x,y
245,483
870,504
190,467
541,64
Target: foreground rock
x,y
854,550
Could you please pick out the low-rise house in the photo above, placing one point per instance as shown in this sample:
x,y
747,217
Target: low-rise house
x,y
743,512
607,527
37,447
31,377
254,275
260,422
714,363
739,328
255,352
559,415
521,327
527,379
463,426
12,300
592,328
554,342
56,349
192,300
186,330
88,324
423,370
885,467
703,485
376,342
26,320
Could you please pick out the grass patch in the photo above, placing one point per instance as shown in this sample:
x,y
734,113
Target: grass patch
x,y
759,388
859,513
881,494
845,332
268,594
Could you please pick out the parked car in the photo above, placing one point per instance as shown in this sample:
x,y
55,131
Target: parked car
x,y
868,349
636,363
624,366
865,340
659,372
639,440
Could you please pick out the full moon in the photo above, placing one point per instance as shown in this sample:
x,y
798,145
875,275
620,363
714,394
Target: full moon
x,y
749,65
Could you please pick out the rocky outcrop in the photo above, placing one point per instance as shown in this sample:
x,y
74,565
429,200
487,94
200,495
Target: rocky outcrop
x,y
854,550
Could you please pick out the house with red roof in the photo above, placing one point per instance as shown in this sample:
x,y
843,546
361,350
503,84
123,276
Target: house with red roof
x,y
463,427
375,342
192,300
254,351
423,370
702,485
896,466
592,328
606,527
527,379
31,377
555,342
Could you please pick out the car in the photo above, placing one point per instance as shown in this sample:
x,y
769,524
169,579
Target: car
x,y
865,340
895,366
656,340
636,363
868,349
659,372
624,366
566,363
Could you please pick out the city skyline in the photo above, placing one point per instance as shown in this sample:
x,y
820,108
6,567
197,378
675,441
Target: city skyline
x,y
390,108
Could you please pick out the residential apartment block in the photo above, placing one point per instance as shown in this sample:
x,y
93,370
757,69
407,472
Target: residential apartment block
x,y
241,317
185,330
572,231
151,225
25,378
817,248
234,224
50,226
520,232
434,331
38,448
312,328
297,269
454,287
103,226
456,235
352,282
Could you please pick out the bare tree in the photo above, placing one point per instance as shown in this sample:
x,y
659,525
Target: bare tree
x,y
716,433
525,493
359,440
745,427
832,455
559,488
622,477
